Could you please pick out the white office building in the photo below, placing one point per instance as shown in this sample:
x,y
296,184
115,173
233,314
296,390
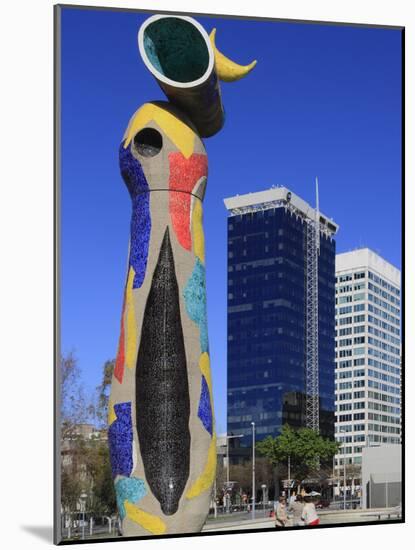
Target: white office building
x,y
368,354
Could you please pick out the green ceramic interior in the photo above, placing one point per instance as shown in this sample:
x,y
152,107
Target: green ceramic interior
x,y
176,49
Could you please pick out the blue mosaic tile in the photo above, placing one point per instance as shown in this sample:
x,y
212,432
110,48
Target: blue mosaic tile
x,y
205,410
120,438
140,228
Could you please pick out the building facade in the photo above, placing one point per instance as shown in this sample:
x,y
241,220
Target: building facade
x,y
368,352
268,299
382,476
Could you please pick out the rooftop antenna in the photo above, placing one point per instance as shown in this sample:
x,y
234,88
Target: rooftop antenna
x,y
312,374
317,218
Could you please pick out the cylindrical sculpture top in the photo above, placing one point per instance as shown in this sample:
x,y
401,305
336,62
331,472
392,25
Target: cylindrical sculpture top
x,y
178,53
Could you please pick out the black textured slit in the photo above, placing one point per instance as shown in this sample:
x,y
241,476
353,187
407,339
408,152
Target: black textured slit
x,y
162,389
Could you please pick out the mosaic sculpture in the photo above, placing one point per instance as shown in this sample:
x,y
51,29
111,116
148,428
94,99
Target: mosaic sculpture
x,y
161,426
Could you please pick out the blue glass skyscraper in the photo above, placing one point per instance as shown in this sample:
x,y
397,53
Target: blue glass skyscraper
x,y
268,303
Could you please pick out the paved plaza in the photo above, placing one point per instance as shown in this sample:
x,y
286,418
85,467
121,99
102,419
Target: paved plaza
x,y
326,518
242,521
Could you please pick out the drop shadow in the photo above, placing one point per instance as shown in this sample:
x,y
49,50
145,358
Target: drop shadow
x,y
43,532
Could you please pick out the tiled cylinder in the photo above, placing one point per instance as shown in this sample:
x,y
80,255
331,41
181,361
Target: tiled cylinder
x,y
161,426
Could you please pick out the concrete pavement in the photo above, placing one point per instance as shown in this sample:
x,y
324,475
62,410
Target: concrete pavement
x,y
328,517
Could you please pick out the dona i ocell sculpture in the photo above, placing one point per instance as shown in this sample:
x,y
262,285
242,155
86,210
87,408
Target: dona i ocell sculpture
x,y
161,430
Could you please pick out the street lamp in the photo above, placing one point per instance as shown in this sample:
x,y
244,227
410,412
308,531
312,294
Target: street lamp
x,y
342,430
83,498
215,508
253,469
263,487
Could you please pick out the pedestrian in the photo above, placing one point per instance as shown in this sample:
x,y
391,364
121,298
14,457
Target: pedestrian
x,y
296,508
281,518
292,498
309,515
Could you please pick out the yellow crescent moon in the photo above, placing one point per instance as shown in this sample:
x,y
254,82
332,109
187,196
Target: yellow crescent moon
x,y
226,69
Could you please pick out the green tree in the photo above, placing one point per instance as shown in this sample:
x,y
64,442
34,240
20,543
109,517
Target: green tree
x,y
98,460
85,462
98,468
75,407
305,448
103,391
242,473
71,488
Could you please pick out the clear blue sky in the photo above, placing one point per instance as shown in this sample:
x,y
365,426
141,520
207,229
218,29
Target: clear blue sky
x,y
323,101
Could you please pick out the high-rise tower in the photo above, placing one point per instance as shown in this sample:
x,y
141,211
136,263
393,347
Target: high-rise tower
x,y
281,277
368,353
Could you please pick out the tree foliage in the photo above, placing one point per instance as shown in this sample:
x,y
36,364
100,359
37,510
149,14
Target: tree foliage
x,y
98,469
305,448
103,390
242,473
85,462
71,488
75,407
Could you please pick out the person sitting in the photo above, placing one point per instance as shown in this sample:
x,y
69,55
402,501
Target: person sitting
x,y
281,518
309,515
296,507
